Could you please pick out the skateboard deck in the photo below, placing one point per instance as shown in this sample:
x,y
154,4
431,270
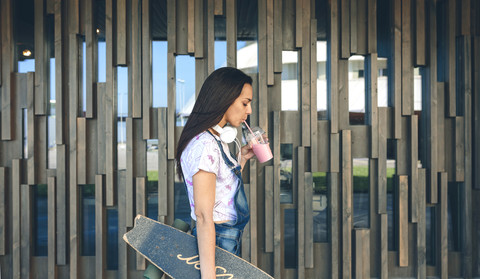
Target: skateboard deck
x,y
176,252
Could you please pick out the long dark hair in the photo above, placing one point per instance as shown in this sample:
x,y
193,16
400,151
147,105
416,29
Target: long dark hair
x,y
218,92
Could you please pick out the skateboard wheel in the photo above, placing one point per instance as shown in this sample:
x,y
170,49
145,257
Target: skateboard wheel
x,y
181,225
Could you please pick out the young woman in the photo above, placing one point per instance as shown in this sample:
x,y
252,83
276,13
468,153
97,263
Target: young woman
x,y
212,175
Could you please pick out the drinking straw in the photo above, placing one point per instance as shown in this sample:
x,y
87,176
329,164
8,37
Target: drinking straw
x,y
254,138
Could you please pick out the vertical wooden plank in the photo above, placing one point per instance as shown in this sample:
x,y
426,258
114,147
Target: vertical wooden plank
x,y
41,59
345,29
402,228
110,105
171,27
396,54
301,211
191,26
270,42
91,44
355,11
73,105
52,226
262,65
253,227
231,29
61,205
140,208
73,18
298,23
362,253
16,219
162,163
82,150
100,227
122,228
421,226
430,105
314,146
476,110
361,27
121,33
218,9
210,35
199,28
443,245
372,26
305,96
26,231
407,62
146,61
459,148
171,106
246,236
101,129
134,58
465,25
32,166
59,106
413,187
278,38
420,33
383,246
334,152
253,185
451,58
309,247
381,195
441,113
347,203
372,102
343,95
277,224
130,179
50,6
332,66
3,224
334,223
269,227
468,151
7,113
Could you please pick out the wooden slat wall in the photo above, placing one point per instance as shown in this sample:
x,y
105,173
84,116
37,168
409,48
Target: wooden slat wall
x,y
434,148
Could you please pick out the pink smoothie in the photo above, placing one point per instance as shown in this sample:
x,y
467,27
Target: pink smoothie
x,y
262,151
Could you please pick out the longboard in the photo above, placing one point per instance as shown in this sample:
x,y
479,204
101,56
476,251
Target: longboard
x,y
176,253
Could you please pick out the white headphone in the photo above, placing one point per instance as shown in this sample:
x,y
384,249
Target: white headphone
x,y
228,135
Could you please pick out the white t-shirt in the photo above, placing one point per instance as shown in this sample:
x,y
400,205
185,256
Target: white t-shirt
x,y
203,153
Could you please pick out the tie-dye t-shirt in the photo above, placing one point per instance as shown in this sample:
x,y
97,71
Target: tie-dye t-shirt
x,y
203,153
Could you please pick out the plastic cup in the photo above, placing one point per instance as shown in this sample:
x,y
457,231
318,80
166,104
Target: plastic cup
x,y
262,151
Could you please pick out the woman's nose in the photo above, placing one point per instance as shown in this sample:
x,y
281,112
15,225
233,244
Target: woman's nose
x,y
249,109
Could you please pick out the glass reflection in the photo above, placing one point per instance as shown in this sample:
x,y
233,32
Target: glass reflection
x,y
361,199
454,215
290,240
159,74
40,220
290,82
122,114
320,207
112,238
152,179
356,89
51,122
382,82
185,95
220,41
286,173
87,210
391,171
322,79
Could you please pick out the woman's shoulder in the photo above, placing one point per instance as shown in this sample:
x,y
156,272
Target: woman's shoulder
x,y
201,142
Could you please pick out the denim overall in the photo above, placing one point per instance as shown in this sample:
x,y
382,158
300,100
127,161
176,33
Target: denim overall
x,y
229,234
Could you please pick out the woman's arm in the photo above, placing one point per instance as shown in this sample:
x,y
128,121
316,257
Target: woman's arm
x,y
204,198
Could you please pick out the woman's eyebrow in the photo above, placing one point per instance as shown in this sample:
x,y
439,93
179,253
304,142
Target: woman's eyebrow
x,y
248,99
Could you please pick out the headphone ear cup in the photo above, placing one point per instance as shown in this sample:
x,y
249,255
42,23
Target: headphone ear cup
x,y
228,134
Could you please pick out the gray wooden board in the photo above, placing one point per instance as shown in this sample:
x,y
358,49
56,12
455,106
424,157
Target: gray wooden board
x,y
176,252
